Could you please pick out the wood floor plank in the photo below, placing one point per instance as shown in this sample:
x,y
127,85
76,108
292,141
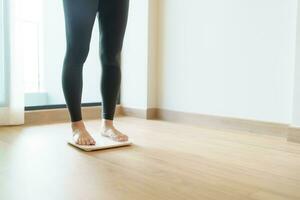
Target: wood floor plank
x,y
167,161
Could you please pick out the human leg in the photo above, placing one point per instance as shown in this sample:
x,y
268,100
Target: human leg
x,y
79,19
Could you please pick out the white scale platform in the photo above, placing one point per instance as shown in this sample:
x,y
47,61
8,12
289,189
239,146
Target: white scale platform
x,y
102,142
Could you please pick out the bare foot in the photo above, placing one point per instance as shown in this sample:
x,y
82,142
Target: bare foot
x,y
108,130
80,134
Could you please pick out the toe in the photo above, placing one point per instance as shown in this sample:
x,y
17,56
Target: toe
x,y
82,141
92,141
122,138
79,141
86,141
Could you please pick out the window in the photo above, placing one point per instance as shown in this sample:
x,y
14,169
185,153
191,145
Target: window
x,y
30,20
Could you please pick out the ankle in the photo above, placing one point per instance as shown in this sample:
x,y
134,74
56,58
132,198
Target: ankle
x,y
78,125
107,123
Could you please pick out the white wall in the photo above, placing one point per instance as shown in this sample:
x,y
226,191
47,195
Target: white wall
x,y
229,58
134,84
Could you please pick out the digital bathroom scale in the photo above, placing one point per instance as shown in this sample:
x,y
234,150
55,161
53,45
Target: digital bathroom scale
x,y
102,142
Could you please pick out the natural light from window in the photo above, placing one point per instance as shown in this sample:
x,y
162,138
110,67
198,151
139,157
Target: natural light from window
x,y
30,20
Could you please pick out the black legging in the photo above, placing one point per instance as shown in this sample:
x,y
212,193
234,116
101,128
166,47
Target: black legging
x,y
79,20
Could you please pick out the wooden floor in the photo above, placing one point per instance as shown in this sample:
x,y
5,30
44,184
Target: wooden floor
x,y
167,161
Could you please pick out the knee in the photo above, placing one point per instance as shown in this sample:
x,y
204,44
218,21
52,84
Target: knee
x,y
110,58
76,54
